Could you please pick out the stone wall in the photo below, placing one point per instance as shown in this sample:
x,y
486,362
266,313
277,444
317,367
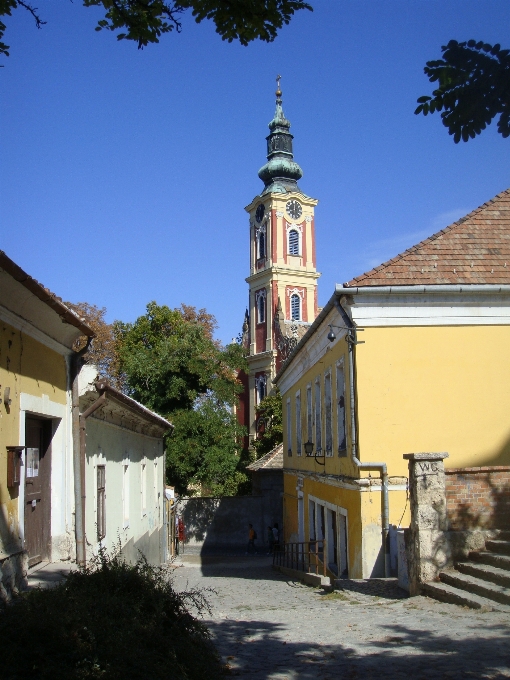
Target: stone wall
x,y
478,498
13,575
215,523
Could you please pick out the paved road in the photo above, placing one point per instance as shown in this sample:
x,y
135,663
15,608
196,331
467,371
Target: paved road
x,y
268,627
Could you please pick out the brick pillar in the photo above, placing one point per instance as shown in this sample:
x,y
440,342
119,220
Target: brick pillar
x,y
428,548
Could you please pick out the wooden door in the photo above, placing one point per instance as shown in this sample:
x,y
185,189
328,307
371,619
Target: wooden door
x,y
37,489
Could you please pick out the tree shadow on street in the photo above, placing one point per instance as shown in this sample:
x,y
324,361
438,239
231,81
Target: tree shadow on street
x,y
259,650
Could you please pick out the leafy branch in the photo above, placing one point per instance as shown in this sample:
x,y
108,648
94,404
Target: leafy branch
x,y
474,88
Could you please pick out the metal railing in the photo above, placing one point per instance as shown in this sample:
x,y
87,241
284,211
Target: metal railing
x,y
308,556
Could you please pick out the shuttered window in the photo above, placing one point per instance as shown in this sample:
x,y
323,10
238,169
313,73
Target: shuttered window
x,y
340,409
262,309
309,414
328,415
293,242
101,502
298,423
262,245
318,416
295,307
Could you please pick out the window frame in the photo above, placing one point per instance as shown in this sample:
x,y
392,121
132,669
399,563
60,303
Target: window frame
x,y
101,501
328,414
318,415
341,424
299,433
297,242
295,296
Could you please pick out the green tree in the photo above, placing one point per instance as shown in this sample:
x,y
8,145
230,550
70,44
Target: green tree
x,y
473,88
270,412
172,364
145,21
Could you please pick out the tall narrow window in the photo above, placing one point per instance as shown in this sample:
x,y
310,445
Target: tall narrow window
x,y
293,242
260,386
143,479
298,424
309,414
125,493
340,409
295,307
328,414
262,245
318,416
289,429
101,502
261,307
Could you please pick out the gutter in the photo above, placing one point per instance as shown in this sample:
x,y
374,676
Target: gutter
x,y
438,289
380,467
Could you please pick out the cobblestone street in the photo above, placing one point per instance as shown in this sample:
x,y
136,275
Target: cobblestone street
x,y
269,627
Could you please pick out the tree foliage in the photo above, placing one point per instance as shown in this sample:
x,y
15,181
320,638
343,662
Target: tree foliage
x,y
271,434
473,88
145,21
103,349
172,364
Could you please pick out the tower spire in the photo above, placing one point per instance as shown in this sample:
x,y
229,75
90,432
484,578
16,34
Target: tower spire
x,y
281,172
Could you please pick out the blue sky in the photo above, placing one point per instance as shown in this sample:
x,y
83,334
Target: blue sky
x,y
124,173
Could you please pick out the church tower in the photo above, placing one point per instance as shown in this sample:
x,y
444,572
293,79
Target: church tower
x,y
283,275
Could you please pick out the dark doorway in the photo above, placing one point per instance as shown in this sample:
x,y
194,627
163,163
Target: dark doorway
x,y
38,435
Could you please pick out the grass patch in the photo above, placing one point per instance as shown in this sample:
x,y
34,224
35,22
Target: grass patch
x,y
338,595
109,621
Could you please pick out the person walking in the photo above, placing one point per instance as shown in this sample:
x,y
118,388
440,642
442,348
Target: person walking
x,y
252,536
270,540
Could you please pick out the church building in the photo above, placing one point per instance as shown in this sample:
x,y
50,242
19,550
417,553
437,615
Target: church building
x,y
283,275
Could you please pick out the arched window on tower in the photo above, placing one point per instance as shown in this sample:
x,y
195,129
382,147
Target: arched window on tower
x,y
295,307
261,245
293,242
261,308
261,387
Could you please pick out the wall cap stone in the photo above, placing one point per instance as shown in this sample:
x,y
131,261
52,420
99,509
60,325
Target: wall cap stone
x,y
426,456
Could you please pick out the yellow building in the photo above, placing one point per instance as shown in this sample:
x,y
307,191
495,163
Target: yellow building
x,y
409,357
37,333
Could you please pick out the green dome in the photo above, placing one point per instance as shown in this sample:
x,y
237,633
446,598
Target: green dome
x,y
281,172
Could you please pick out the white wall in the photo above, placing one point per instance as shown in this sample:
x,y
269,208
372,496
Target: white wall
x,y
116,447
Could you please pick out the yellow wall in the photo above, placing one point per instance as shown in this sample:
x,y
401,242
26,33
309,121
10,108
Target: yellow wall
x,y
434,389
26,366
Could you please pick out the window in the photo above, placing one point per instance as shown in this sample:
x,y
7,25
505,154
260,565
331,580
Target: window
x,y
289,429
293,242
328,414
125,494
309,415
298,424
340,409
260,386
143,479
318,416
261,306
261,245
101,502
295,307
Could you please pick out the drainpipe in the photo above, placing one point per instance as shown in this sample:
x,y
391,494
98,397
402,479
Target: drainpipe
x,y
380,467
77,363
82,560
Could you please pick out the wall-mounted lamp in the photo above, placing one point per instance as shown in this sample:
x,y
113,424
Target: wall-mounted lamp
x,y
7,396
308,448
350,334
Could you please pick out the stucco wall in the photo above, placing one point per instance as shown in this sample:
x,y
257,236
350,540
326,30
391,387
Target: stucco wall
x,y
36,376
139,528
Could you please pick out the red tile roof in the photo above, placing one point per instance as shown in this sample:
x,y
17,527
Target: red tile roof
x,y
475,249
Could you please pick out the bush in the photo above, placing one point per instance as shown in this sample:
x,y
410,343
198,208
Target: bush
x,y
111,620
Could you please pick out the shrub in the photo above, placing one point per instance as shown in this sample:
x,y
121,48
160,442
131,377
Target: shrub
x,y
110,620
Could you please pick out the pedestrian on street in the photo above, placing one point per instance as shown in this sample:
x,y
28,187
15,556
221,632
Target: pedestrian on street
x,y
276,536
252,536
270,540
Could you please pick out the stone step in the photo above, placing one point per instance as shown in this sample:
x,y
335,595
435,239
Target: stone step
x,y
446,593
504,535
485,572
498,546
500,561
477,586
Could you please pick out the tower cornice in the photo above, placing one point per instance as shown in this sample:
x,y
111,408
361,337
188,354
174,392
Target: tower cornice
x,y
283,198
273,272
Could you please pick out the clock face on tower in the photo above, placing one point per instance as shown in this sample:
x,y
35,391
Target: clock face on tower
x,y
260,213
294,209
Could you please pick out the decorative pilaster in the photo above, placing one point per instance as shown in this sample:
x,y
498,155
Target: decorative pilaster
x,y
429,551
